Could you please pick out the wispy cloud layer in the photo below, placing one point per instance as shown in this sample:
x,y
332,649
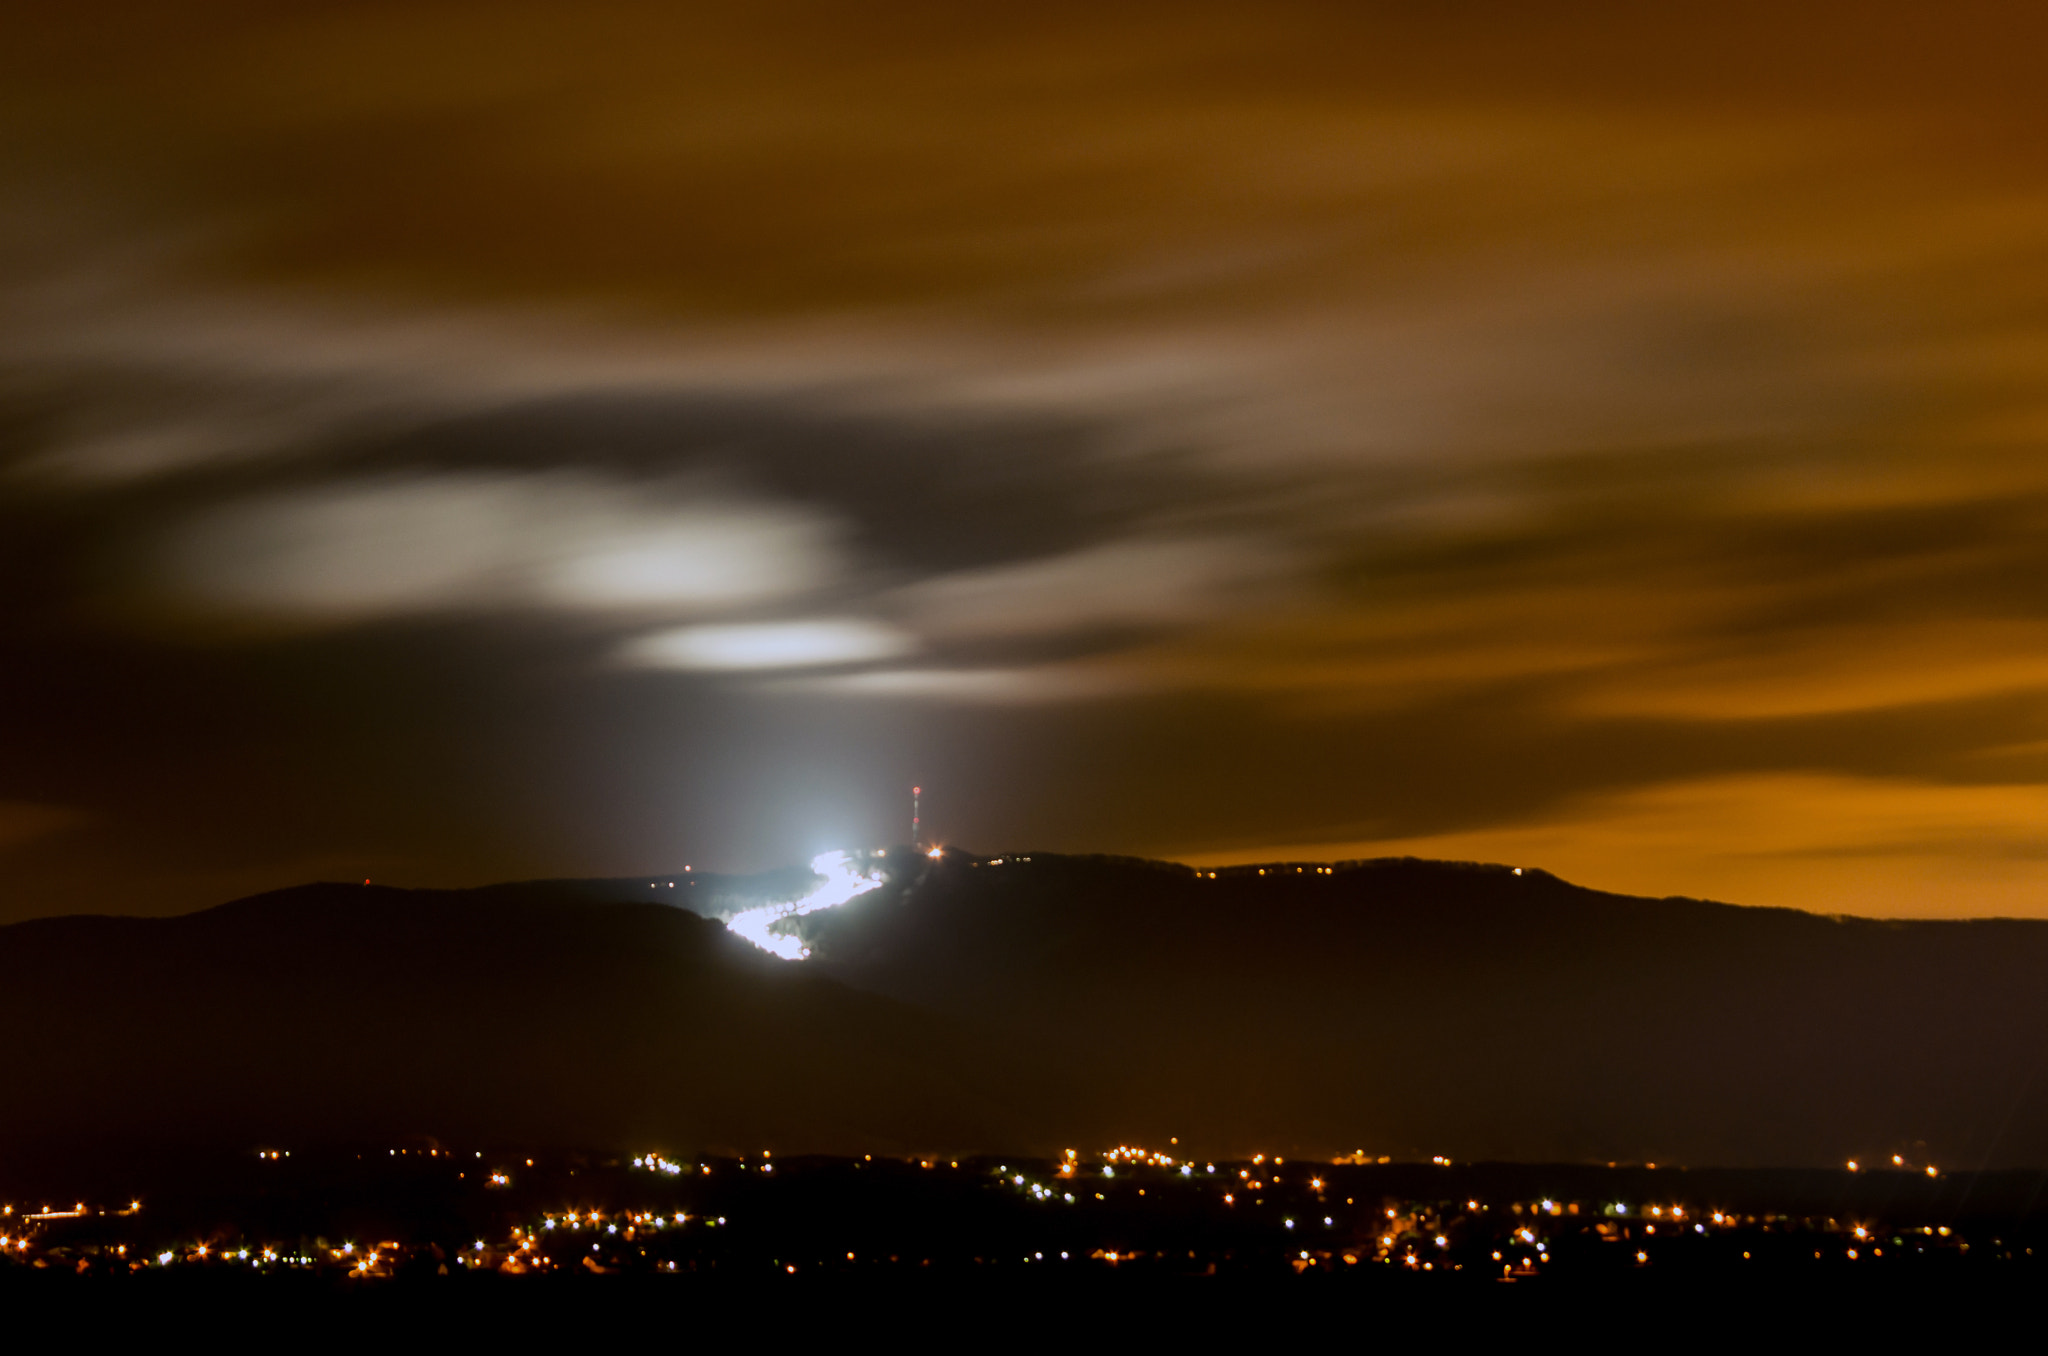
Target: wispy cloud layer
x,y
1648,393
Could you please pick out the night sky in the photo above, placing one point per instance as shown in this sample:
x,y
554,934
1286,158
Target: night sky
x,y
447,443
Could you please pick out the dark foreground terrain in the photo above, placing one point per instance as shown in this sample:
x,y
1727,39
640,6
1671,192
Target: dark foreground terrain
x,y
374,1231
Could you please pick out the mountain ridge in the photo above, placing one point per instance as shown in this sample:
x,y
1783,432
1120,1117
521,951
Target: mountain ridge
x,y
1395,1005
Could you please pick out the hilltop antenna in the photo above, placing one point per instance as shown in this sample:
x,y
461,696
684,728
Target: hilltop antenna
x,y
916,836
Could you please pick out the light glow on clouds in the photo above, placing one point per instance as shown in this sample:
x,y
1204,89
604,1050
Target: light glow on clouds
x,y
695,554
844,879
429,543
770,645
1135,583
971,687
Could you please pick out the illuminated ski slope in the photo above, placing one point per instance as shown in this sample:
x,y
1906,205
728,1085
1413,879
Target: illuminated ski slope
x,y
844,880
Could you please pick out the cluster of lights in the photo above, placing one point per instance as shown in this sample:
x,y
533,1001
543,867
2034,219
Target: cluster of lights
x,y
1421,1237
1299,871
656,1163
1039,1192
1416,1238
1899,1163
1133,1155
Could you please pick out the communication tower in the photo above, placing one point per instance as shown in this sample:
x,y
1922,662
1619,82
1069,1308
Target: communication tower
x,y
916,835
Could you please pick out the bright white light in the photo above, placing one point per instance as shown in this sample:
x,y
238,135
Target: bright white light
x,y
843,881
770,645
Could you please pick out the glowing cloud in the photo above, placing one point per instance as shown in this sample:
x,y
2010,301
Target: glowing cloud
x,y
716,553
426,543
843,880
770,645
991,687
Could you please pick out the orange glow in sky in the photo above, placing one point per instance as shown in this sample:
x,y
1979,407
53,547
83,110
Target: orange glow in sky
x,y
447,442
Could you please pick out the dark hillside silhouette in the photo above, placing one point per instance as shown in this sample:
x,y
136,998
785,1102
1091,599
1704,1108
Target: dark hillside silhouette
x,y
1416,1008
524,1014
1400,1007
